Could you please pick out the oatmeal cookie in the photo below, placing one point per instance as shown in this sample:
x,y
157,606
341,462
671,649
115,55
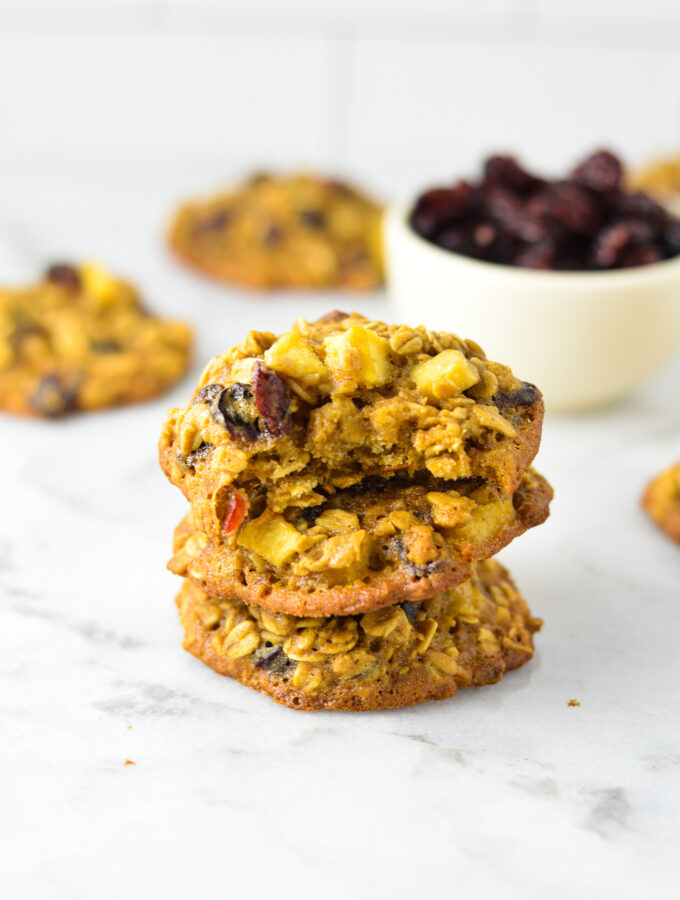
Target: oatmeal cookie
x,y
291,231
81,340
661,501
660,178
396,656
363,548
289,421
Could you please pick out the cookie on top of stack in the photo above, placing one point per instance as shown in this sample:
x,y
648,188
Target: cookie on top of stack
x,y
349,483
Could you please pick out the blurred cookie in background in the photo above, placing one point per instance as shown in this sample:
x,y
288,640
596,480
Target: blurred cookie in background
x,y
660,178
289,231
81,339
661,501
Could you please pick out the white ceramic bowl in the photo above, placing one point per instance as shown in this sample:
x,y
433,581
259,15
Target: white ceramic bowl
x,y
584,338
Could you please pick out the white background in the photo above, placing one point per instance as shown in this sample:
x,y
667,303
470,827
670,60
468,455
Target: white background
x,y
395,92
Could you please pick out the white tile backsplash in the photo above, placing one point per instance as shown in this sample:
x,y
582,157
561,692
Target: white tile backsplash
x,y
128,97
617,11
398,91
427,107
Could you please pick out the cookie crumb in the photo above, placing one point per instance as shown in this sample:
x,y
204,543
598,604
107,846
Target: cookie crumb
x,y
129,762
574,702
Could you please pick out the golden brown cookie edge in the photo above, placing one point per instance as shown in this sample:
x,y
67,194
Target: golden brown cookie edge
x,y
666,516
408,690
383,590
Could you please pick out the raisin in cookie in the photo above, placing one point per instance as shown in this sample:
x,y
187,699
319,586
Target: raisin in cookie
x,y
397,656
364,548
81,340
661,501
296,231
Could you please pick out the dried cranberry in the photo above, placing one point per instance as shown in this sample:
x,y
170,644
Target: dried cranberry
x,y
411,610
457,239
272,235
639,255
610,244
514,218
202,452
310,514
237,508
439,207
54,397
672,236
525,395
370,483
638,205
484,235
504,171
208,393
64,275
274,660
511,213
573,207
505,249
313,218
272,399
573,252
540,255
602,172
234,409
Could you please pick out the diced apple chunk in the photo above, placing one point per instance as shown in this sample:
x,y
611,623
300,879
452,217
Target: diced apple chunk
x,y
445,375
292,355
242,370
272,537
358,357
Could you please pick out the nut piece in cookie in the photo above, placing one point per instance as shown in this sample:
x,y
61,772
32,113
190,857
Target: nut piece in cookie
x,y
284,231
81,339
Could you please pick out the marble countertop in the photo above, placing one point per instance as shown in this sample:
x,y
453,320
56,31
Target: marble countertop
x,y
504,790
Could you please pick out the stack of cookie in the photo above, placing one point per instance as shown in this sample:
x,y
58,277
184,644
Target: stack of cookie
x,y
349,483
